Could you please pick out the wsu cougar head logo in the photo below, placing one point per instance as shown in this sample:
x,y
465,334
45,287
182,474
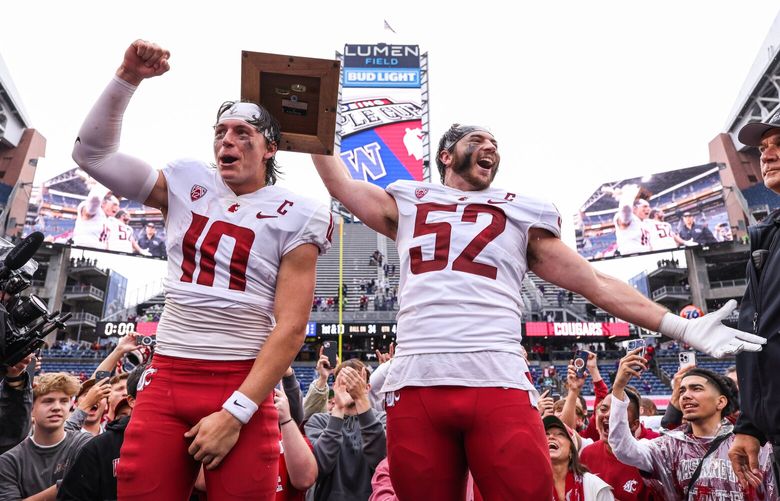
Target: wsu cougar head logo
x,y
420,192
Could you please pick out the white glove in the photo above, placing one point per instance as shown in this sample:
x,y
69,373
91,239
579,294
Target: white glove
x,y
709,335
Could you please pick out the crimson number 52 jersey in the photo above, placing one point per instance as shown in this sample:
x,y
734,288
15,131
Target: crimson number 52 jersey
x,y
463,259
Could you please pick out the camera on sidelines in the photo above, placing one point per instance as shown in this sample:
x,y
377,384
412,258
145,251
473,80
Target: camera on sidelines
x,y
24,320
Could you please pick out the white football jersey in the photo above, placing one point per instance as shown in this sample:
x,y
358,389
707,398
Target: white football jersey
x,y
120,235
660,234
92,232
633,238
463,259
224,253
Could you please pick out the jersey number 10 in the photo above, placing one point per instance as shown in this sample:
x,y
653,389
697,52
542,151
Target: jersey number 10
x,y
244,238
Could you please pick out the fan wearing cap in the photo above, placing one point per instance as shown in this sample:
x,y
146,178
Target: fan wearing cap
x,y
670,462
242,256
465,247
572,481
759,313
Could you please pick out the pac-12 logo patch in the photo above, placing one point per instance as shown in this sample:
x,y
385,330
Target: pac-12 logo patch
x,y
197,192
420,192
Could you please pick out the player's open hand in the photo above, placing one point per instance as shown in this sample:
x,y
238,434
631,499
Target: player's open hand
x,y
143,60
707,334
213,438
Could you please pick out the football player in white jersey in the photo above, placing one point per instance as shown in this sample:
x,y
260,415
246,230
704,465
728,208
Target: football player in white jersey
x,y
242,254
92,215
121,237
458,396
660,234
630,231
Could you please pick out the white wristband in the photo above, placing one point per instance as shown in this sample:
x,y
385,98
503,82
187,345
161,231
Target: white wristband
x,y
240,406
673,326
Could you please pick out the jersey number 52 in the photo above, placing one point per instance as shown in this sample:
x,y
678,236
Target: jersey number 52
x,y
443,231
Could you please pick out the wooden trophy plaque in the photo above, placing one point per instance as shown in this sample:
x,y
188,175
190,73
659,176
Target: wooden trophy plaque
x,y
300,92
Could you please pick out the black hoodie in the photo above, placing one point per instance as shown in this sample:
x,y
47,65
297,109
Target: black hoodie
x,y
93,475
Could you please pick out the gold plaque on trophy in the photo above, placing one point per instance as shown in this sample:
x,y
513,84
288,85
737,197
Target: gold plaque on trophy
x,y
300,92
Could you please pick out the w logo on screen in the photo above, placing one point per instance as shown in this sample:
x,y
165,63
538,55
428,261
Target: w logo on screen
x,y
365,162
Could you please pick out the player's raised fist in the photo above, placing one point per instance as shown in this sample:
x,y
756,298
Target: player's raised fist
x,y
143,60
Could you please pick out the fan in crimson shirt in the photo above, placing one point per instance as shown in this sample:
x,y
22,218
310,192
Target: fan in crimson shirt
x,y
626,481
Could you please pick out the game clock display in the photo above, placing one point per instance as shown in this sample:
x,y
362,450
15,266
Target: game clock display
x,y
110,329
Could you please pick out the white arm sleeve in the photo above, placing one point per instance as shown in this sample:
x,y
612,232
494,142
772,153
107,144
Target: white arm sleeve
x,y
96,147
93,201
377,380
626,448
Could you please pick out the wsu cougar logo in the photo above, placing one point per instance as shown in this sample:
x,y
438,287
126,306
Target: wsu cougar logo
x,y
197,192
630,486
420,192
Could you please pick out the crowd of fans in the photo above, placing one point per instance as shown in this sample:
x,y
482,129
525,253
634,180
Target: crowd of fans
x,y
61,438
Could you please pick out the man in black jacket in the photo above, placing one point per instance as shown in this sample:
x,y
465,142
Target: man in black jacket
x,y
759,379
93,474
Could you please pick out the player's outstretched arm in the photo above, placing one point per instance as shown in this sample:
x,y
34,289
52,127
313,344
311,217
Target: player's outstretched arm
x,y
555,262
96,147
216,434
370,203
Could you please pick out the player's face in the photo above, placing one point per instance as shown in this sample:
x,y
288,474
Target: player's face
x,y
642,209
50,411
241,153
473,162
111,207
659,215
770,159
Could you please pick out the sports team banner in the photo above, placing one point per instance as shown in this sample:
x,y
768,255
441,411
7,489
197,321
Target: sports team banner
x,y
380,113
576,329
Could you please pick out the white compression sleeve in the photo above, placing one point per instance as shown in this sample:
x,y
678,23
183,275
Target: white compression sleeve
x,y
96,147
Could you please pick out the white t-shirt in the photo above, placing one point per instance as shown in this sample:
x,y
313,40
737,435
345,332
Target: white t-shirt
x,y
633,238
224,253
463,259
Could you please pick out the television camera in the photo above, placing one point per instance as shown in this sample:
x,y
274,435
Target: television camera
x,y
24,320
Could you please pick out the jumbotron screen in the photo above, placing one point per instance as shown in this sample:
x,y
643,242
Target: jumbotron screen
x,y
73,209
663,211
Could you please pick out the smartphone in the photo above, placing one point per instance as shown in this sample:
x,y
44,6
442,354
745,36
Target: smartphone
x,y
633,345
580,362
100,375
556,396
687,358
331,350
